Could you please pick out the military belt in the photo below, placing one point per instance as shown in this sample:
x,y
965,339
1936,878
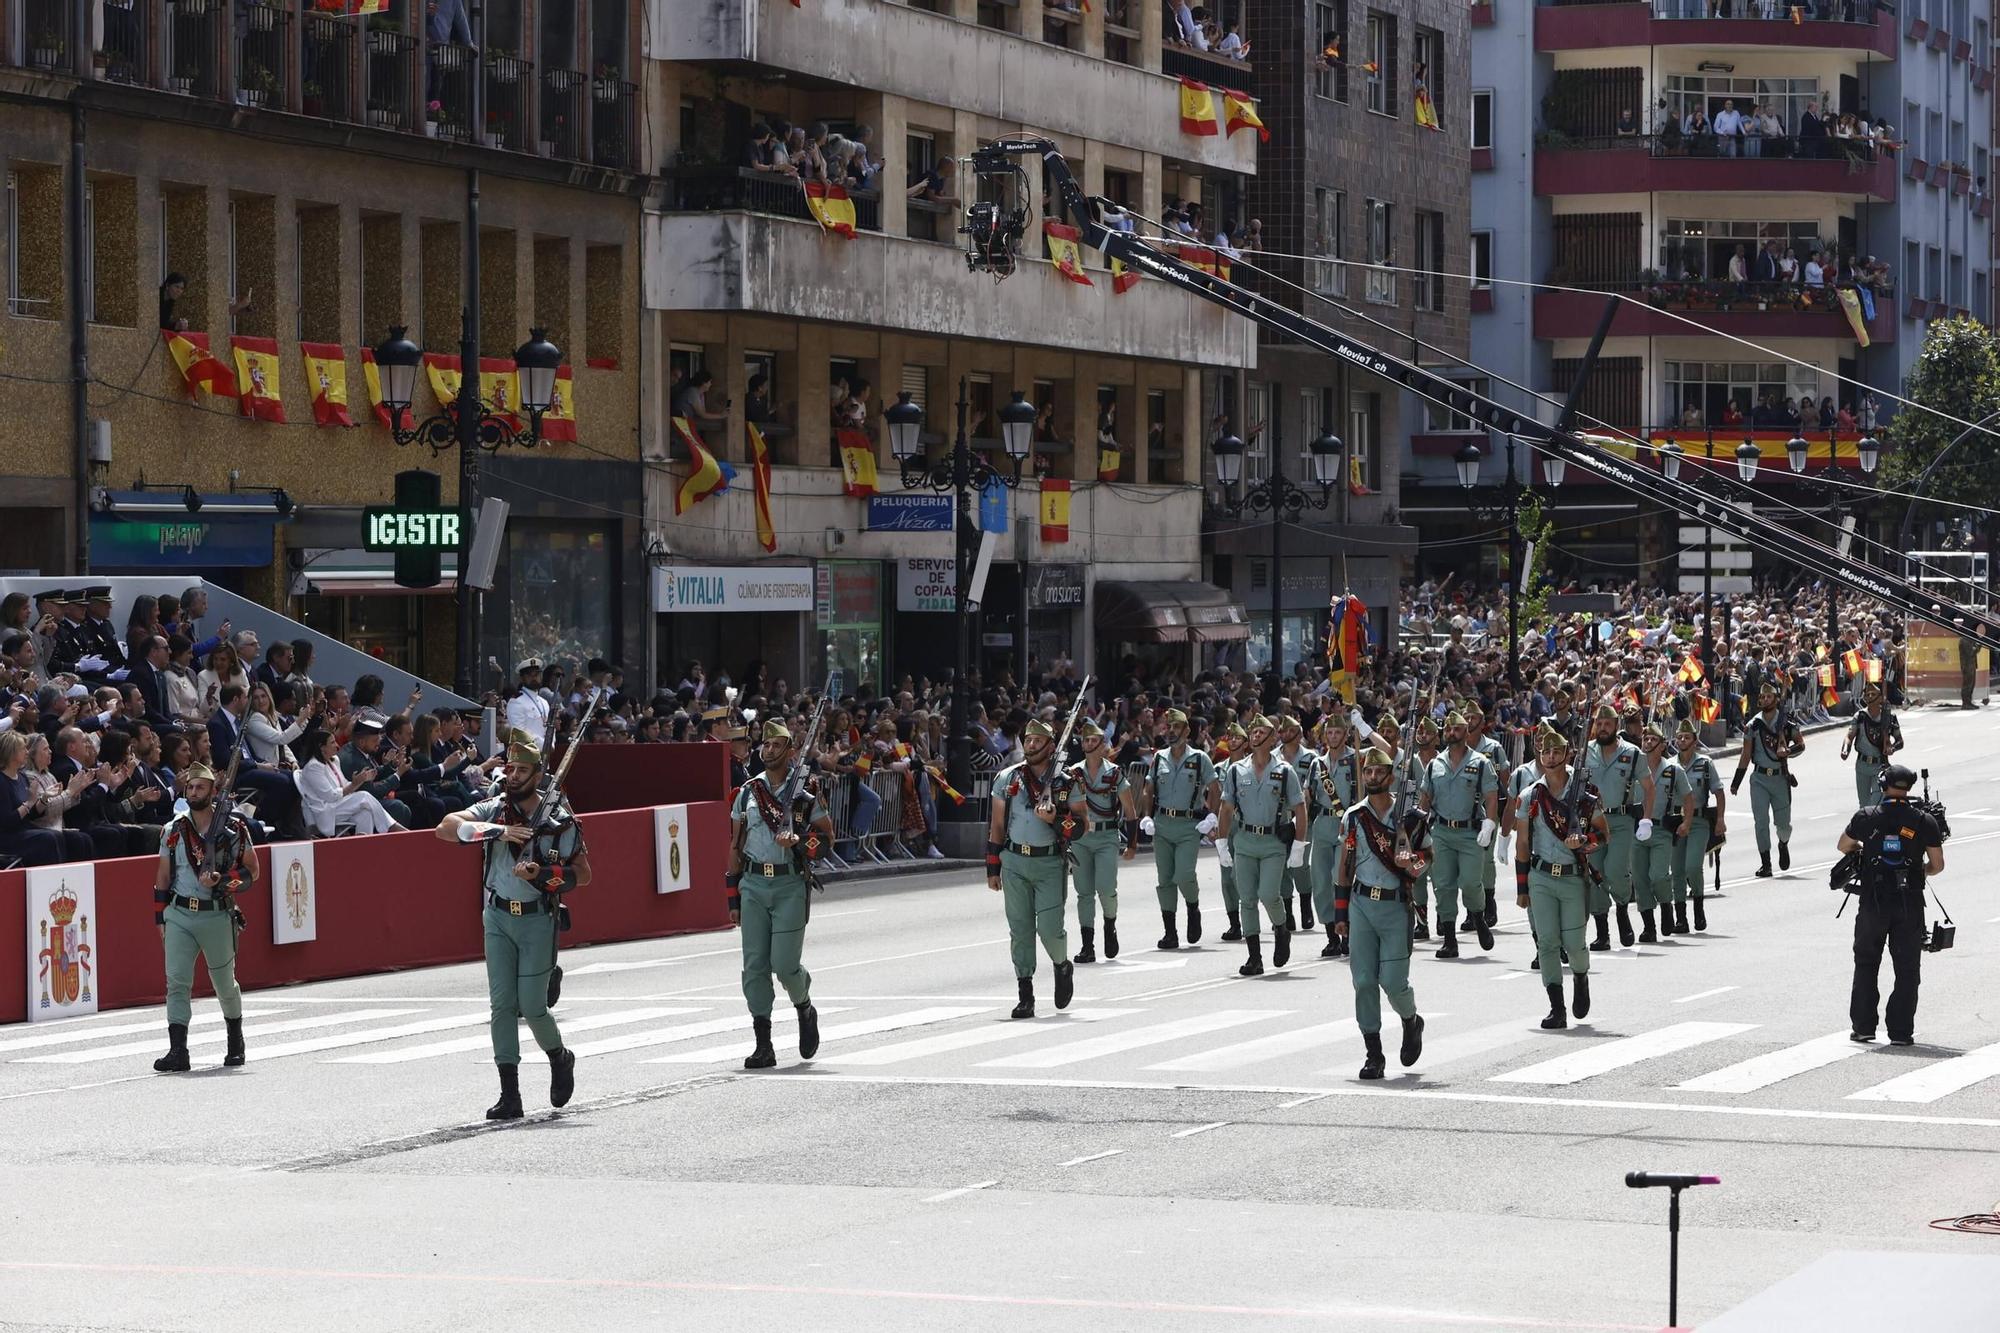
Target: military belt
x,y
1099,825
1768,771
512,906
1028,849
767,869
1551,868
1628,811
1255,828
1457,823
197,904
1163,813
1375,894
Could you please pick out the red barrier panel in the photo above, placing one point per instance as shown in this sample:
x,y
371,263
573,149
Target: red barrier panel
x,y
385,903
618,777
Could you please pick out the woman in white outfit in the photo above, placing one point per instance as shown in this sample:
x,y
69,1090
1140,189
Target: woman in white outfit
x,y
270,738
331,799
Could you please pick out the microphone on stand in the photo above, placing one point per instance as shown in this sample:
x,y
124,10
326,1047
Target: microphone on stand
x,y
1640,1180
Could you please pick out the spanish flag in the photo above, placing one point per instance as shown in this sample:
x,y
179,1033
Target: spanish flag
x,y
1357,474
1199,256
1348,635
1064,252
326,380
444,376
1850,305
1690,671
1055,509
1820,652
760,487
200,371
500,389
857,461
1826,676
1239,111
559,422
1706,709
371,374
1871,671
937,774
1123,279
1851,660
257,393
1829,696
1372,69
1197,108
1107,464
1427,115
831,206
350,8
708,474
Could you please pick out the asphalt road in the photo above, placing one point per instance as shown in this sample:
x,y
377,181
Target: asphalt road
x,y
1182,1149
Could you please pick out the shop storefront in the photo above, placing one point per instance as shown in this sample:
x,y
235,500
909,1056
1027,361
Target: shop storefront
x,y
728,617
1055,606
847,613
224,538
1155,633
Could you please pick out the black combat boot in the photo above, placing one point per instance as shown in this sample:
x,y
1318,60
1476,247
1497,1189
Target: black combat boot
x,y
1088,953
1332,949
1763,865
1291,919
1700,914
1194,923
1681,917
763,1057
1234,935
509,1105
1470,923
1580,1002
1484,931
1281,945
1602,943
175,1061
562,1076
1557,1017
1255,966
1422,930
1651,934
1372,1067
1784,856
1625,936
808,1031
1172,939
1065,984
1491,916
1413,1040
1305,911
233,1057
1449,934
1026,1008
1110,937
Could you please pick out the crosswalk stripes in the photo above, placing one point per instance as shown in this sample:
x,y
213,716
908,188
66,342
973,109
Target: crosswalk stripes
x,y
1318,1037
1603,1057
634,1041
838,1032
1157,1034
1443,1046
1001,1030
134,1048
1761,1071
205,1018
459,1045
1927,1083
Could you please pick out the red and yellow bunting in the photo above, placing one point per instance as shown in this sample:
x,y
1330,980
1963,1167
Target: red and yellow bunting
x,y
1055,509
1065,252
559,421
200,371
326,381
1197,109
1850,305
832,208
500,389
1427,115
371,375
1123,279
257,391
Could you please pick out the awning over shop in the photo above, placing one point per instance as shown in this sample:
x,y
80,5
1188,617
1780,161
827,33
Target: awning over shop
x,y
1169,613
346,572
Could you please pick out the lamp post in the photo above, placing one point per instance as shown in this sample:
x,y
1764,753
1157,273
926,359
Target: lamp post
x,y
1798,452
1284,500
961,474
1467,461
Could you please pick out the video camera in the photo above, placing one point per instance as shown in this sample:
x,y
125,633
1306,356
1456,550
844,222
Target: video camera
x,y
995,229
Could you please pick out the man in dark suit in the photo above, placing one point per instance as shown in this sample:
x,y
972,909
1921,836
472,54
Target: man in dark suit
x,y
276,798
277,663
148,674
1766,270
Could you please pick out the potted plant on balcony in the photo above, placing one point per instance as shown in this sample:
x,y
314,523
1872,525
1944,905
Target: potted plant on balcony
x,y
496,129
605,86
312,99
432,110
48,49
258,84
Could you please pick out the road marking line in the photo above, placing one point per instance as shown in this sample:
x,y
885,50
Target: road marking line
x,y
1704,994
1076,1052
1510,976
1314,1038
1456,1046
599,969
1094,1157
570,1023
132,1048
963,1189
1301,1101
632,1041
1761,1071
866,1027
1000,1030
1936,1080
1603,1057
75,1087
1199,1129
206,1018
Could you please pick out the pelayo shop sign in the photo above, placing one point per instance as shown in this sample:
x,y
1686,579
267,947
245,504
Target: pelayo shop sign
x,y
706,589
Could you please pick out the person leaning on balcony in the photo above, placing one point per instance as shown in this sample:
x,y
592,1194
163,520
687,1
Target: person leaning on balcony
x,y
934,186
762,155
691,401
1697,131
1628,124
1766,270
1753,132
1728,129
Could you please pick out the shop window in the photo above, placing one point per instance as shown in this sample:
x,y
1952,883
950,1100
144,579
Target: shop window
x,y
847,611
561,589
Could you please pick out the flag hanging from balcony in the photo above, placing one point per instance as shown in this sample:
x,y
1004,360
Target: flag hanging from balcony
x,y
326,381
1239,112
1108,460
707,474
1357,476
559,422
257,392
1198,256
1850,305
1197,108
1064,252
831,206
1055,509
500,389
444,376
1123,279
760,487
371,375
857,461
1427,115
201,372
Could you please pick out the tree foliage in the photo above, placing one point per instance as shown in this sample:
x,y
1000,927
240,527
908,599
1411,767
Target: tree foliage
x,y
1536,530
1957,375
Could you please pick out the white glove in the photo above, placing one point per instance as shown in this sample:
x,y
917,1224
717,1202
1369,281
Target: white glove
x,y
1487,829
1359,725
1506,844
91,663
1206,826
1645,830
1224,856
473,830
1297,856
1146,826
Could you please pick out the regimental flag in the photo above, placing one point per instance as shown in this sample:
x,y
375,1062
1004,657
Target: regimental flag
x,y
1706,709
707,475
1348,637
257,392
444,377
1064,252
760,487
1427,115
1055,509
857,461
559,422
1123,279
1107,463
1850,305
500,389
200,371
1197,108
1239,112
1357,476
1690,672
830,204
326,381
372,375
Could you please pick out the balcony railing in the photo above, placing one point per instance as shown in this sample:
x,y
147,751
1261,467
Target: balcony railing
x,y
46,36
614,124
1184,62
1826,149
194,47
563,106
509,83
263,39
390,77
932,221
448,90
121,47
1723,295
712,189
326,60
1767,11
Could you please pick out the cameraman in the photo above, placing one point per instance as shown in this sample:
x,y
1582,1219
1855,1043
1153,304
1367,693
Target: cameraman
x,y
1898,844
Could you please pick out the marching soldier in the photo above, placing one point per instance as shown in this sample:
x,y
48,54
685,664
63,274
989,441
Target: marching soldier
x,y
1371,911
1107,827
1180,792
1702,829
1616,769
1770,741
1872,737
1415,763
202,866
1298,879
1477,737
1232,741
1262,810
1024,862
1335,785
522,872
770,896
1462,793
1550,851
1670,807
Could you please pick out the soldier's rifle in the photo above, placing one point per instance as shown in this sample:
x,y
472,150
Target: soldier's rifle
x,y
1572,800
552,814
1411,826
1062,748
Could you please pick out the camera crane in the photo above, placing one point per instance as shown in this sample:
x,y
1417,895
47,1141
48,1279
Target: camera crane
x,y
994,231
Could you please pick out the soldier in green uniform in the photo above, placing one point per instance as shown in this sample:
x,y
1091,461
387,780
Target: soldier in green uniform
x,y
1231,742
770,897
522,872
1670,806
1703,827
1262,810
1371,911
1107,831
1180,792
1462,793
1024,861
1298,878
1614,766
1549,852
1518,781
201,867
1770,739
1872,737
1496,754
1414,763
1335,785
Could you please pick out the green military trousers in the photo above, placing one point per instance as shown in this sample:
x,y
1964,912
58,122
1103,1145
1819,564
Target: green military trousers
x,y
1455,871
1614,863
1298,879
213,936
1690,849
1770,802
1260,877
1033,889
520,950
1867,782
1230,902
1653,868
1322,858
773,925
1175,847
1095,857
1378,938
1556,905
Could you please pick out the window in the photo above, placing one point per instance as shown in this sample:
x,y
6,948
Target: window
x,y
1709,387
1933,273
1260,433
1702,247
1382,251
1934,136
1482,118
1427,50
1979,295
1912,275
1441,420
1954,295
1787,99
1482,260
1364,427
15,305
1159,467
1430,258
561,588
1330,72
1955,146
1329,239
1381,55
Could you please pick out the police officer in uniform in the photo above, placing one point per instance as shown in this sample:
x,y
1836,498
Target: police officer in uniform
x,y
1701,830
521,874
71,644
1872,738
1899,846
1614,766
1371,911
1298,878
1670,806
1334,786
1769,740
1477,737
1024,861
95,637
201,867
1180,793
1262,811
1106,832
769,895
1462,793
1549,850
